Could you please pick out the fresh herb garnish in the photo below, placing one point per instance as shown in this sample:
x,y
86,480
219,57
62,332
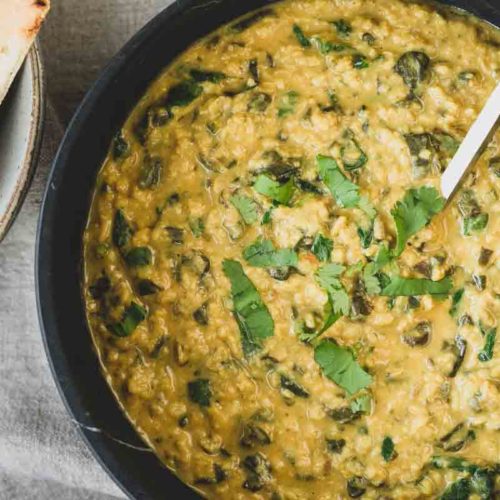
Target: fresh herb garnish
x,y
359,61
345,192
197,226
339,364
328,277
252,315
490,335
388,449
199,75
322,247
247,207
343,27
407,287
183,94
414,212
148,287
262,253
200,392
132,316
139,257
288,103
282,193
301,37
456,298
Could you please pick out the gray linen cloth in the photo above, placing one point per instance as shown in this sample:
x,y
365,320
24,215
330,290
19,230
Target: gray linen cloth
x,y
41,453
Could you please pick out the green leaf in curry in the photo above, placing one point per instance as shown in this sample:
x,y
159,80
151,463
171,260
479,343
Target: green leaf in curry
x,y
182,94
413,67
247,207
150,174
408,287
132,317
322,247
282,193
345,192
388,450
359,61
339,365
139,257
328,277
200,75
301,37
486,353
200,392
252,315
353,157
122,231
262,253
288,103
414,212
343,27
121,147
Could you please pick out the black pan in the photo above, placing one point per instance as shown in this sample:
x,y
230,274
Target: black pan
x,y
59,240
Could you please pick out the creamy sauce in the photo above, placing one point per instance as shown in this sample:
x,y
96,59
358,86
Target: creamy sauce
x,y
384,90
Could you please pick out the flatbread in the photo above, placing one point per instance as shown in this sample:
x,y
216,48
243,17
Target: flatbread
x,y
20,21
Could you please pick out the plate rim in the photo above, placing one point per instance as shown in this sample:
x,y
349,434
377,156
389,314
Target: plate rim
x,y
34,143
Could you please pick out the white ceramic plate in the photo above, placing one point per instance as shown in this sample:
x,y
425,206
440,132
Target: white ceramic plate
x,y
21,118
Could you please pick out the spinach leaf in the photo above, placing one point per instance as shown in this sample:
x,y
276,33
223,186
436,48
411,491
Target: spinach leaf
x,y
366,236
353,157
474,224
343,27
388,449
120,148
301,37
291,385
282,193
459,490
197,226
456,298
139,257
262,253
183,94
339,365
150,174
122,232
359,61
132,316
398,287
361,404
288,103
200,75
148,287
328,277
413,67
414,212
344,191
322,247
325,47
247,207
253,317
200,392
486,353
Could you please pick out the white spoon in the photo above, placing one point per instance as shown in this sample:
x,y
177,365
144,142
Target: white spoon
x,y
472,146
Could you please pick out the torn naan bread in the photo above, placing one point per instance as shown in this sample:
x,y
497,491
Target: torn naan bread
x,y
20,21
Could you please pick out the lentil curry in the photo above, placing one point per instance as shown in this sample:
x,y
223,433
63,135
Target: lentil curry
x,y
280,300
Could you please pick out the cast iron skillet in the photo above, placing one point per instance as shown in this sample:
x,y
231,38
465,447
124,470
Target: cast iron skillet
x,y
59,240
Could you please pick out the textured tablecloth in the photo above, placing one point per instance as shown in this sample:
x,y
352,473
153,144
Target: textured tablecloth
x,y
41,453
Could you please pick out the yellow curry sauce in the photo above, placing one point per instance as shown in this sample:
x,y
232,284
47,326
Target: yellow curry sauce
x,y
278,298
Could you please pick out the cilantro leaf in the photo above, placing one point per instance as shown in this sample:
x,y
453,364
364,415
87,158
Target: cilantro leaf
x,y
252,315
132,316
339,365
282,193
327,277
307,335
322,247
372,276
200,392
247,207
455,301
301,37
361,404
288,104
345,192
414,212
407,287
262,253
486,354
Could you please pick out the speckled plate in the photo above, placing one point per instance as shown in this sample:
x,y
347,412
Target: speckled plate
x,y
21,118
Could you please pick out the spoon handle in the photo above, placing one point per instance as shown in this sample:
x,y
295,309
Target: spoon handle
x,y
472,146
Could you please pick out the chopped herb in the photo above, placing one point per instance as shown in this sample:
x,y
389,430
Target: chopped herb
x,y
359,61
399,286
361,404
133,315
200,392
343,27
353,157
259,102
282,193
258,470
459,349
339,364
422,152
474,224
325,47
335,445
139,257
253,318
328,277
253,435
247,207
485,256
322,247
486,354
344,191
301,37
368,38
456,298
120,147
148,287
122,232
201,315
414,212
262,253
267,217
418,336
288,104
366,236
291,385
176,234
388,450
459,490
